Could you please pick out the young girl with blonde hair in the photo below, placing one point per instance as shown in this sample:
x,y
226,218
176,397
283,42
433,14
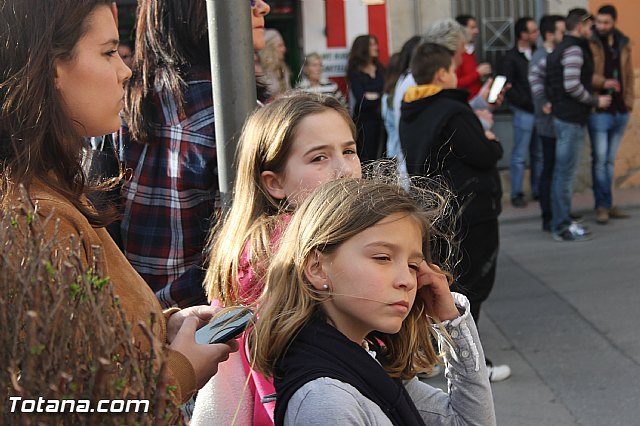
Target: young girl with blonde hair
x,y
286,150
351,303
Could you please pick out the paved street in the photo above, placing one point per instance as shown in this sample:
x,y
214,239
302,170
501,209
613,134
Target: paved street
x,y
565,317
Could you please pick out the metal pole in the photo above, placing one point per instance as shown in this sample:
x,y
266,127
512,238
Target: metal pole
x,y
233,81
417,17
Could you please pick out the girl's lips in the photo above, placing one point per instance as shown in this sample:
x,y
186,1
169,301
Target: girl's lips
x,y
401,306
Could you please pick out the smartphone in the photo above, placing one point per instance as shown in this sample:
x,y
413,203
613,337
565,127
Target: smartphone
x,y
498,83
225,327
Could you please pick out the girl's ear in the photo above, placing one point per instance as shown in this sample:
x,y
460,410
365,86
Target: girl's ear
x,y
56,74
273,184
314,270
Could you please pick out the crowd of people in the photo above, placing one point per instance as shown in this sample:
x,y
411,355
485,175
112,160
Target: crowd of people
x,y
580,78
361,280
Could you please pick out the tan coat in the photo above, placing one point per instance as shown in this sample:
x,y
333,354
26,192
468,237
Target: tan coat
x,y
626,67
136,298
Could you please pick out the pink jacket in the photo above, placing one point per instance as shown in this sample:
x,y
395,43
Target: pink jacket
x,y
249,289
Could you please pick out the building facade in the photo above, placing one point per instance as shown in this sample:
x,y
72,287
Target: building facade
x,y
328,27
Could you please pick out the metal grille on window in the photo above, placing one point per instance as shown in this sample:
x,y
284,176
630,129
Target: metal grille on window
x,y
495,21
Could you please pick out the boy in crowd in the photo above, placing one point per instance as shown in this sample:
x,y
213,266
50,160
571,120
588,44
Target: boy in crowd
x,y
443,138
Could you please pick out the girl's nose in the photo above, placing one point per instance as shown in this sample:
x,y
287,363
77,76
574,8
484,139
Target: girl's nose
x,y
406,279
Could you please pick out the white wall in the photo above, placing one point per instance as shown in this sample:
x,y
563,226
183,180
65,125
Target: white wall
x,y
561,7
412,17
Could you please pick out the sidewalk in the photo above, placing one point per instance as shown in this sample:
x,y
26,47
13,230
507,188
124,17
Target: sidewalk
x,y
565,317
581,203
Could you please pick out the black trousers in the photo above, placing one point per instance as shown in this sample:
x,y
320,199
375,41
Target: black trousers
x,y
479,247
370,139
548,163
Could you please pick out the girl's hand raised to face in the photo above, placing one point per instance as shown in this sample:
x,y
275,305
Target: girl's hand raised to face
x,y
433,287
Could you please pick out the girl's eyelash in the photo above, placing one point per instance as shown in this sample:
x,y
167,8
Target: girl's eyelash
x,y
111,52
415,267
382,257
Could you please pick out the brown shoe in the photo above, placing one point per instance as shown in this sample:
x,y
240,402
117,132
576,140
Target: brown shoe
x,y
602,216
617,213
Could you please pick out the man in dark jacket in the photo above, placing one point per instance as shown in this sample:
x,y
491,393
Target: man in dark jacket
x,y
442,137
515,68
568,87
613,74
552,28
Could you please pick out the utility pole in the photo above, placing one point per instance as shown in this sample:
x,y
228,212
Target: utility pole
x,y
233,81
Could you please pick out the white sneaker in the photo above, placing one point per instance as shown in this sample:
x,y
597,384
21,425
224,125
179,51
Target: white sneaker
x,y
579,228
498,373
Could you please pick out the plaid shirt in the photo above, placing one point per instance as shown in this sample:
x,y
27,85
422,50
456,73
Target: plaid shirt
x,y
172,194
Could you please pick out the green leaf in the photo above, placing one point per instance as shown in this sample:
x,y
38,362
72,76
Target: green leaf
x,y
37,349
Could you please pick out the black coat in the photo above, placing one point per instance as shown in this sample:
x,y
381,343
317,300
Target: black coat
x,y
442,136
515,66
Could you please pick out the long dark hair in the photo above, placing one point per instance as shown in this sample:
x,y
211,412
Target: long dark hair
x,y
396,68
37,138
392,73
359,53
171,37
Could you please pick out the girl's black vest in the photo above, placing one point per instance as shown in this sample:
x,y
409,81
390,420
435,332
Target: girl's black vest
x,y
565,107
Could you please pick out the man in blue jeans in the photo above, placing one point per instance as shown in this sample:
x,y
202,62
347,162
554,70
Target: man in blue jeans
x,y
568,87
515,68
613,74
552,29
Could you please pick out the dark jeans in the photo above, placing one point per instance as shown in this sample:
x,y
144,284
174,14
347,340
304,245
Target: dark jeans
x,y
569,142
548,163
477,269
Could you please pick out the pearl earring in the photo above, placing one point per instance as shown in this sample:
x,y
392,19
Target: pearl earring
x,y
326,286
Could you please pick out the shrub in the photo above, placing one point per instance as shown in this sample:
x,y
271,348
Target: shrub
x,y
65,336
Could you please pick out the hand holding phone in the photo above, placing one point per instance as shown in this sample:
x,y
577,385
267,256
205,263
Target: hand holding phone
x,y
498,83
225,327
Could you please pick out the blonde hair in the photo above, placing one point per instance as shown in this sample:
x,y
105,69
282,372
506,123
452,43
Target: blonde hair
x,y
333,213
275,69
265,144
268,55
446,32
310,56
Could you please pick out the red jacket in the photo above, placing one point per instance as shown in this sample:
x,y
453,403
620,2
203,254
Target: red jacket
x,y
468,77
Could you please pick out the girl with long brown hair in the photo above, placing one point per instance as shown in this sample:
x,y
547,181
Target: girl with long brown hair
x,y
61,79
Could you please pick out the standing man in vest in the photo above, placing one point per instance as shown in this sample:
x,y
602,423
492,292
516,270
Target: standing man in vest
x,y
613,75
568,86
515,68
